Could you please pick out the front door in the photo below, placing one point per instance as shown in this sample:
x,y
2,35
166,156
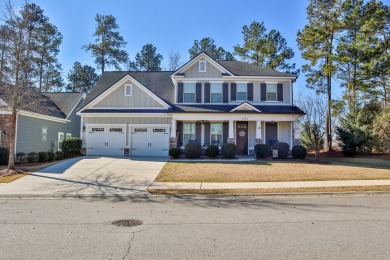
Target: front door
x,y
242,137
271,133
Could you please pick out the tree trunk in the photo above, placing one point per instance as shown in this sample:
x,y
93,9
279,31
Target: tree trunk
x,y
12,140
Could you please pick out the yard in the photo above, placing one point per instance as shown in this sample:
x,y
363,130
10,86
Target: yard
x,y
276,171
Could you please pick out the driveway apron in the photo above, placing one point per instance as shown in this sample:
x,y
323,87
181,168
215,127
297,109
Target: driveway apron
x,y
90,176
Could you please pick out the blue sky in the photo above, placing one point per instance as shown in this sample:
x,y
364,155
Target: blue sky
x,y
171,24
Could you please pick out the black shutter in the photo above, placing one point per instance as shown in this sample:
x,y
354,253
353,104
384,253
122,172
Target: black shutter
x,y
198,92
180,129
233,87
263,91
198,132
225,132
207,133
250,91
180,92
225,92
207,92
280,92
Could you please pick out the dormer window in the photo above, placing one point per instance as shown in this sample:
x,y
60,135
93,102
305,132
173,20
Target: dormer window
x,y
202,66
128,89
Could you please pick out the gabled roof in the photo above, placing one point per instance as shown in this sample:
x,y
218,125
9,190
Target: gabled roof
x,y
245,106
158,82
65,101
239,68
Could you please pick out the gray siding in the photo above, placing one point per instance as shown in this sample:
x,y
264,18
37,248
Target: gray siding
x,y
211,71
138,98
286,92
74,125
285,132
30,136
127,120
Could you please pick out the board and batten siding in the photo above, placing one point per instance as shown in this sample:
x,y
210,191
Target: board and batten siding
x,y
31,136
211,71
74,125
138,98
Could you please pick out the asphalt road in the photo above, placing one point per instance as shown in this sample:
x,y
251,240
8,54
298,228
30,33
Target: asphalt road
x,y
298,227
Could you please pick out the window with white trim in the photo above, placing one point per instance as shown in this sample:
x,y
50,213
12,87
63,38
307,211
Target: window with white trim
x,y
116,130
242,91
60,141
188,132
189,92
271,92
68,135
216,133
128,89
216,92
97,129
202,66
140,130
159,130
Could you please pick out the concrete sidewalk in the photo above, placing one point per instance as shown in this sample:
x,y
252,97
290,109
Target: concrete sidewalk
x,y
263,185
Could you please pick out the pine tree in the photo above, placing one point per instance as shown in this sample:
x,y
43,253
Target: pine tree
x,y
81,78
147,60
107,48
208,46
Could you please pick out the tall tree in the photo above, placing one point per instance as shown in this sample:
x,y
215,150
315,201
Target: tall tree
x,y
317,43
174,60
147,60
4,52
208,46
81,78
265,49
107,48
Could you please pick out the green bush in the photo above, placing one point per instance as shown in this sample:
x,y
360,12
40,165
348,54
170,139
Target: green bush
x,y
51,156
20,158
32,157
4,153
229,150
262,150
174,152
349,151
283,149
72,146
193,150
59,155
299,152
42,157
212,151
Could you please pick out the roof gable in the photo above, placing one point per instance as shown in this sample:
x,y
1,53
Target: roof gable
x,y
245,106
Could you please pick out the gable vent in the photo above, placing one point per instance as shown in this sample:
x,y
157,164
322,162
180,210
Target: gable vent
x,y
128,89
202,66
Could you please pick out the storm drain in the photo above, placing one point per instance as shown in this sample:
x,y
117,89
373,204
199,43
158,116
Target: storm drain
x,y
127,223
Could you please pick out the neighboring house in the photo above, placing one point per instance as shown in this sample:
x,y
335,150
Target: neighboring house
x,y
205,101
44,130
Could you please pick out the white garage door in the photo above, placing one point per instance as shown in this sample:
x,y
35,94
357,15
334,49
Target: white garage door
x,y
106,140
149,141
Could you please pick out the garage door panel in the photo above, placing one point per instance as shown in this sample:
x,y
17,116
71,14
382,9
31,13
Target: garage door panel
x,y
149,141
106,140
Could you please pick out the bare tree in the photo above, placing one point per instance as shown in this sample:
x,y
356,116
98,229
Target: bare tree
x,y
174,60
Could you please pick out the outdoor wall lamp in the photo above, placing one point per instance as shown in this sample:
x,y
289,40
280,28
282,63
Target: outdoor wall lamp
x,y
3,133
83,128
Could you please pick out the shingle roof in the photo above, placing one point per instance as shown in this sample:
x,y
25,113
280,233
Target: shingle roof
x,y
239,68
65,101
140,111
158,82
265,109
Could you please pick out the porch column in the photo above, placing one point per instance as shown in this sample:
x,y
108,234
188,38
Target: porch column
x,y
231,132
259,139
173,139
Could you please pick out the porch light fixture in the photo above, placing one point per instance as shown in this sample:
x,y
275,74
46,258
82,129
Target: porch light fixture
x,y
83,128
3,132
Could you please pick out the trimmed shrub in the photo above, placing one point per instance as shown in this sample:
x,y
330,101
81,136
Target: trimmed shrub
x,y
4,153
229,150
262,150
32,157
21,158
212,151
59,155
283,149
72,146
193,150
349,151
51,156
174,152
299,152
42,157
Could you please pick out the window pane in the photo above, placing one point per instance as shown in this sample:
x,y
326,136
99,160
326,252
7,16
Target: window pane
x,y
216,133
189,88
216,88
216,98
271,92
241,95
241,91
188,132
189,97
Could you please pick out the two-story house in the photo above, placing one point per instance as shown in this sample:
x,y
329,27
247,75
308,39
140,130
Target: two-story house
x,y
205,101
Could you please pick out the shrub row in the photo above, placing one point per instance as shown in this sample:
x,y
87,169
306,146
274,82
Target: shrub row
x,y
194,150
263,151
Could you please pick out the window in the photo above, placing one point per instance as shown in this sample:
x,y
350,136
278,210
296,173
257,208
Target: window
x,y
140,130
188,132
117,130
202,66
60,141
189,92
216,133
97,129
68,135
271,92
216,92
159,130
241,91
128,89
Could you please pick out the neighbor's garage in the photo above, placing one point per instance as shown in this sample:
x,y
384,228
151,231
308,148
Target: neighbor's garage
x,y
149,141
106,140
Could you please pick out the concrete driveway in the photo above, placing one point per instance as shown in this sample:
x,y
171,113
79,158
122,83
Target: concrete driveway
x,y
89,176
